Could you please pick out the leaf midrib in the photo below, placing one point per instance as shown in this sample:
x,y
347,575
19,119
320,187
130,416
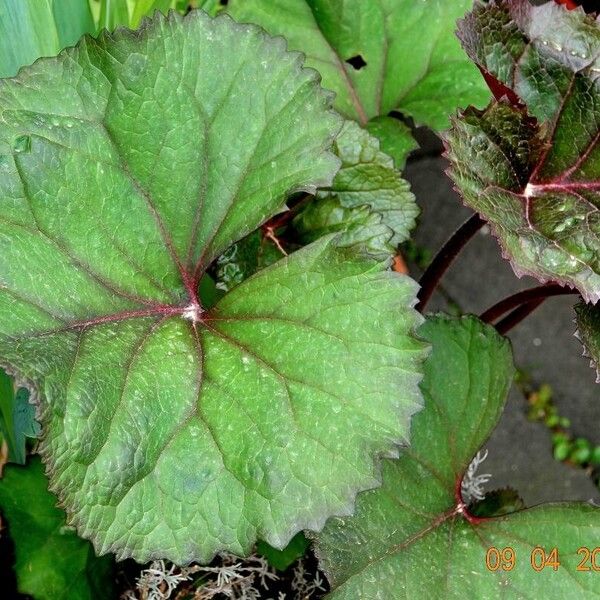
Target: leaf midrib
x,y
354,97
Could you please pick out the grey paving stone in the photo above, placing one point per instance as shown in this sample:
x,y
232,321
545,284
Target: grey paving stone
x,y
519,450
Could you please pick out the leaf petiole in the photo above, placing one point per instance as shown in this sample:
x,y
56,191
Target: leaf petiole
x,y
521,304
445,257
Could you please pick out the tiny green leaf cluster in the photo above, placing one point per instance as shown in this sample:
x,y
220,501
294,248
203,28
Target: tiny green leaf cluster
x,y
368,203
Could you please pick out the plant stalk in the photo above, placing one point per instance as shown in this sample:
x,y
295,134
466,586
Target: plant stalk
x,y
517,315
445,257
525,297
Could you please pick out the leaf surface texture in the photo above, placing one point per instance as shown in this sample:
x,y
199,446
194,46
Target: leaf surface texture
x,y
172,430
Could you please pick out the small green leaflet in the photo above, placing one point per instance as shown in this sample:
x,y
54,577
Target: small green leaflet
x,y
415,533
243,259
17,418
529,163
414,63
497,503
282,559
171,430
368,201
52,562
394,137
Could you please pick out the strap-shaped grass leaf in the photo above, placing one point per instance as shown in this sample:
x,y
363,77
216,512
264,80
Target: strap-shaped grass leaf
x,y
368,201
415,534
33,28
379,55
51,561
17,418
113,14
128,164
532,169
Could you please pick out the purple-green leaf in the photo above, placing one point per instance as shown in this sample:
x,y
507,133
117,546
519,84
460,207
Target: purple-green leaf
x,y
530,162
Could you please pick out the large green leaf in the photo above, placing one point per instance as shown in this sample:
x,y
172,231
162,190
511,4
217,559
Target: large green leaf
x,y
414,64
415,532
368,201
128,164
52,562
17,418
536,180
33,28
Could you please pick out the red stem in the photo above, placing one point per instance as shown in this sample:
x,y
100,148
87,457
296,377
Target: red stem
x,y
445,257
461,506
570,4
525,297
517,315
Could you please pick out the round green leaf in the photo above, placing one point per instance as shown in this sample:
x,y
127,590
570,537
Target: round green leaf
x,y
530,163
415,533
379,55
173,430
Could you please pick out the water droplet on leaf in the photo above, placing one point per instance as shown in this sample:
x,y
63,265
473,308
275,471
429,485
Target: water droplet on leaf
x,y
22,144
